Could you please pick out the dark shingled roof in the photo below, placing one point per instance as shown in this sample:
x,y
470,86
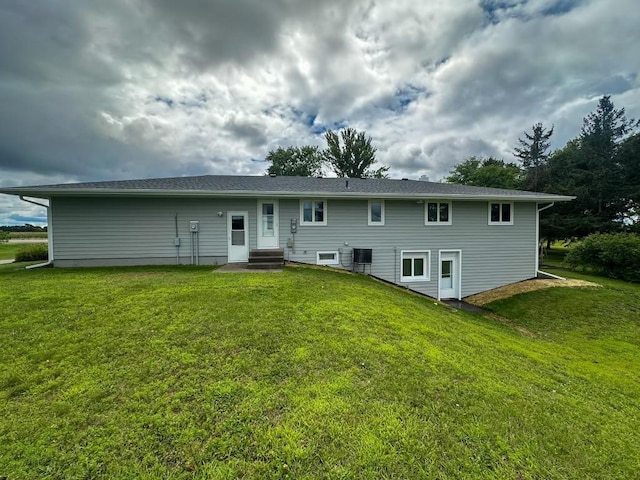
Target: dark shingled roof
x,y
215,185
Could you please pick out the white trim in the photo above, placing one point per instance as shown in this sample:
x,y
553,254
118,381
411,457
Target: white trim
x,y
313,223
424,254
369,221
500,202
276,223
438,203
459,276
334,261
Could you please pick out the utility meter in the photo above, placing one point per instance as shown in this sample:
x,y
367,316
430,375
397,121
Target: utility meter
x,y
294,225
194,226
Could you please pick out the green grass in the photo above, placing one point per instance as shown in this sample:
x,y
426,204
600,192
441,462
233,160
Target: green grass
x,y
8,250
181,373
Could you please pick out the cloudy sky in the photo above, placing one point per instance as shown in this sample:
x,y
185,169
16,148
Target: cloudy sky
x,y
152,88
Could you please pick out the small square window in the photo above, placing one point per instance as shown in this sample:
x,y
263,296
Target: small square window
x,y
501,213
438,213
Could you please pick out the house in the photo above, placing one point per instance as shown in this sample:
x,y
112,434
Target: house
x,y
442,240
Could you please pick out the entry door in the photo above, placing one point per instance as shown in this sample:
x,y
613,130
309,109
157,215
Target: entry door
x,y
267,224
238,236
449,283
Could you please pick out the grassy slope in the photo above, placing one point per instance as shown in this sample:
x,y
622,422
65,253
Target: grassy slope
x,y
180,373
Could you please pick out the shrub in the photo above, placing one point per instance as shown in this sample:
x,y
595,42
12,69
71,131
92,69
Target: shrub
x,y
4,236
614,255
33,252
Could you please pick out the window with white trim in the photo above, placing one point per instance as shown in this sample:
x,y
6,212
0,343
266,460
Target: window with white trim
x,y
414,266
327,258
313,212
500,213
437,213
376,212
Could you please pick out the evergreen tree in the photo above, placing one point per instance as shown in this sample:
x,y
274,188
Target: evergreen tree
x,y
533,152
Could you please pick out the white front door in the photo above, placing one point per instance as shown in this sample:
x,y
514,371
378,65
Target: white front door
x,y
449,275
238,236
267,224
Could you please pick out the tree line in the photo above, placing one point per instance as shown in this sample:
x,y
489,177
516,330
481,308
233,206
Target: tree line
x,y
600,167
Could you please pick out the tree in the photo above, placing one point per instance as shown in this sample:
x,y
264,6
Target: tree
x,y
629,159
602,132
533,154
598,168
354,158
295,161
487,172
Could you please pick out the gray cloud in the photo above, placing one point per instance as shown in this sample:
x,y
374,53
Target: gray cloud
x,y
139,88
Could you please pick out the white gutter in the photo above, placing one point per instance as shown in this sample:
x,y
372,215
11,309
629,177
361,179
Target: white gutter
x,y
538,242
49,234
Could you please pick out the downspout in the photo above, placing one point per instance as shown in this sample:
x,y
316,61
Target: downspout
x,y
49,234
538,271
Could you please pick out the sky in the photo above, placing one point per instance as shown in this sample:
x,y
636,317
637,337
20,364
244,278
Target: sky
x,y
129,89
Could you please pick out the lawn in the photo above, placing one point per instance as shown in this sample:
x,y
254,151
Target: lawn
x,y
8,250
176,372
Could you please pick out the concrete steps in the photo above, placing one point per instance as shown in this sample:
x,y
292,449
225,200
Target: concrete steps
x,y
272,258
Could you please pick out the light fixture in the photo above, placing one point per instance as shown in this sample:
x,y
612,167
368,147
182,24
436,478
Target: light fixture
x,y
220,213
420,202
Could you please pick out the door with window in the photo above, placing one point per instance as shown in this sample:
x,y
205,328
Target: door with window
x,y
267,224
238,236
449,281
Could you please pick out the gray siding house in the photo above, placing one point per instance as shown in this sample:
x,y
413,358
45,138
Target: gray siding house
x,y
442,240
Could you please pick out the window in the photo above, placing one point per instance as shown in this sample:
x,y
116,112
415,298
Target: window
x,y
376,212
414,266
327,258
500,213
438,213
313,212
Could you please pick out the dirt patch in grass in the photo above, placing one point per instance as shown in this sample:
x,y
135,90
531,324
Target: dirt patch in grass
x,y
523,287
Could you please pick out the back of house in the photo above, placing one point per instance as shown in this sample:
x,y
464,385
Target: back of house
x,y
442,240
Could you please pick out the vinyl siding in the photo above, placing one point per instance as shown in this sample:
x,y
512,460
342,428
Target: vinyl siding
x,y
492,255
108,228
121,230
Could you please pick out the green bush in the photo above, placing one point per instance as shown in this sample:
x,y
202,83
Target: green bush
x,y
614,255
33,252
4,236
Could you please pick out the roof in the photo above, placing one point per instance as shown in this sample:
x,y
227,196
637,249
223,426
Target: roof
x,y
280,186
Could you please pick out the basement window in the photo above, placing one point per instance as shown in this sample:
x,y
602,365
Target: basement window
x,y
327,258
414,266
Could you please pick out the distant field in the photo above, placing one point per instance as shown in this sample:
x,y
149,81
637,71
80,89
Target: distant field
x,y
25,235
177,372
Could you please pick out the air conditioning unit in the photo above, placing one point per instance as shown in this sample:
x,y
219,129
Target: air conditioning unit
x,y
362,256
